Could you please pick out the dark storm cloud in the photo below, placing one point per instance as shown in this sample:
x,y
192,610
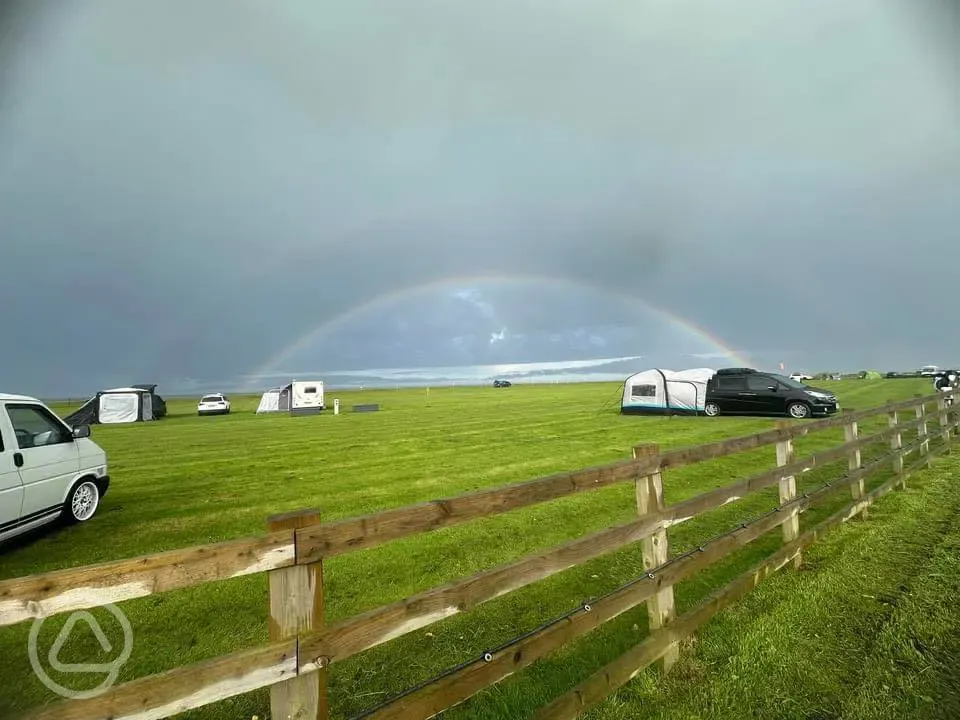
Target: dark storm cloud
x,y
185,187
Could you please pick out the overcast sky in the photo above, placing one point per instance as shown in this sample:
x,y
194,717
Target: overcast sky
x,y
187,187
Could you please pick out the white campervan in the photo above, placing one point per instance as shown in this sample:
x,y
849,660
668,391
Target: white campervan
x,y
48,470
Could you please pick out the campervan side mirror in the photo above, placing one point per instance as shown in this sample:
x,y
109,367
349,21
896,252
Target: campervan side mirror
x,y
81,431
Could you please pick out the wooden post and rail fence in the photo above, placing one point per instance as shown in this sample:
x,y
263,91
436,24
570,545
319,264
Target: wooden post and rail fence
x,y
301,647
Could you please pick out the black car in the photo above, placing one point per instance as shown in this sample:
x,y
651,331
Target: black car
x,y
502,383
745,391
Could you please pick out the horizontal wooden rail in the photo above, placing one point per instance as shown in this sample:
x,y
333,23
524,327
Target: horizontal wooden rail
x,y
732,446
61,591
602,683
374,627
368,531
175,691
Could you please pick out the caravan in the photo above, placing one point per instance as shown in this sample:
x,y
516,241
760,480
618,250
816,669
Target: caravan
x,y
300,397
666,392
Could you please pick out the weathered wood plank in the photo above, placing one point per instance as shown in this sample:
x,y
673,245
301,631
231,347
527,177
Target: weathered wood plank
x,y
361,632
786,455
851,431
921,415
94,585
192,686
296,606
655,550
944,419
896,441
369,531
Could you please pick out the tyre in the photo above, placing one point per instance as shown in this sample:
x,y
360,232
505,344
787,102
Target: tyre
x,y
798,410
711,409
82,502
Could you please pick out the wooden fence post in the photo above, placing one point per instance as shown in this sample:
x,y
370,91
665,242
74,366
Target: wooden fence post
x,y
656,550
851,432
296,606
786,454
896,443
921,412
944,420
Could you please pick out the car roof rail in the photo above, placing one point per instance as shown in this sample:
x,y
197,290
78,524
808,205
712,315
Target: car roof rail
x,y
735,371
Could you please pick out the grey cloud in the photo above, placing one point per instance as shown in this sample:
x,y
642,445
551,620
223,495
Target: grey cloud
x,y
185,187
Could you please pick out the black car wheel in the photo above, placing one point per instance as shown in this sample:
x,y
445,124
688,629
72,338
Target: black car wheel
x,y
711,409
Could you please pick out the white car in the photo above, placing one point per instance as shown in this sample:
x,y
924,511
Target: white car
x,y
213,404
800,377
48,470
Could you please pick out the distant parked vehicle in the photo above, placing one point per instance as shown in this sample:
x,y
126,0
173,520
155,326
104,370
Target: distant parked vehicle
x,y
213,404
929,370
744,391
800,377
502,383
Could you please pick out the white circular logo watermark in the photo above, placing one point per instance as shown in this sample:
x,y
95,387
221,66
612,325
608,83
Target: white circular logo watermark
x,y
111,669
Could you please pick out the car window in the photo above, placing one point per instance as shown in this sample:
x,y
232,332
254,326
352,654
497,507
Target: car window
x,y
210,398
731,382
759,383
789,382
35,427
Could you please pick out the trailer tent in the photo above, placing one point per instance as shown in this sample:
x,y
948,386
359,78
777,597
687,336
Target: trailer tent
x,y
300,397
119,405
666,392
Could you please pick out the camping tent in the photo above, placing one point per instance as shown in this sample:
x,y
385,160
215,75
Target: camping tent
x,y
300,397
870,375
665,392
159,404
119,405
270,401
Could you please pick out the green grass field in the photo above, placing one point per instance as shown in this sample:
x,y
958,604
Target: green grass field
x,y
864,631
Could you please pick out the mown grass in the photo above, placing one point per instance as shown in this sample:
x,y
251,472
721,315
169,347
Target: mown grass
x,y
188,480
867,630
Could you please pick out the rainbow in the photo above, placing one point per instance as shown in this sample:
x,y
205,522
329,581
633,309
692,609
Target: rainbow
x,y
452,283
